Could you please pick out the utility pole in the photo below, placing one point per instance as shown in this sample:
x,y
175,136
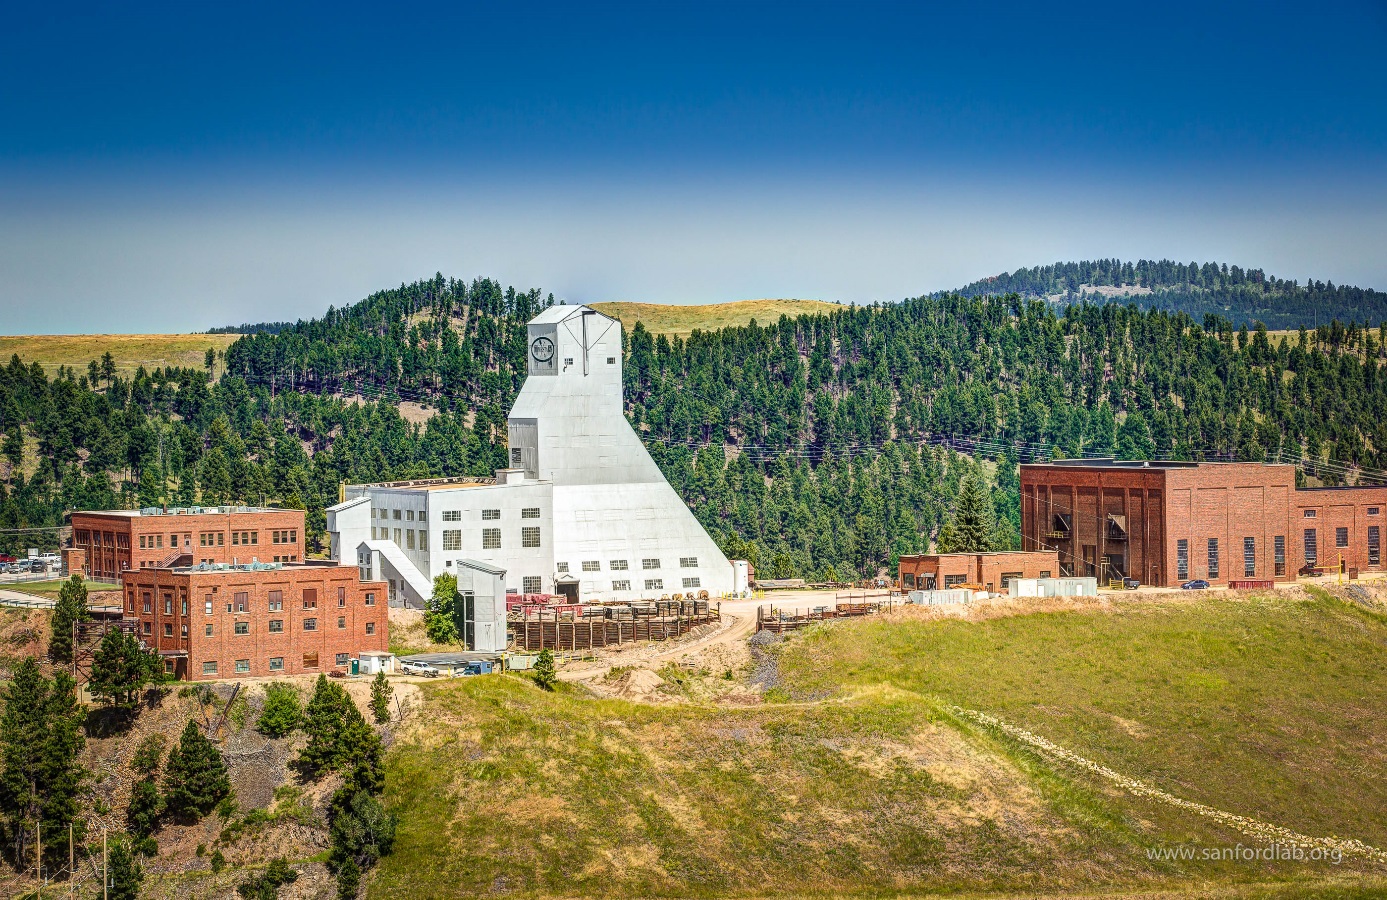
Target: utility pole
x,y
105,877
71,867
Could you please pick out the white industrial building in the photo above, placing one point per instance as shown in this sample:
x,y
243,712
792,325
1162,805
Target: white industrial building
x,y
583,510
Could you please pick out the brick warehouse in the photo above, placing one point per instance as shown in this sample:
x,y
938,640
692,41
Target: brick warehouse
x,y
268,619
994,571
1168,522
114,541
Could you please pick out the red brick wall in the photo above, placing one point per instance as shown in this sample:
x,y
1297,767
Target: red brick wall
x,y
115,542
258,646
1336,508
986,569
1087,496
1230,503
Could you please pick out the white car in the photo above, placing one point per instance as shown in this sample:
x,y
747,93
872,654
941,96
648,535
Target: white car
x,y
419,668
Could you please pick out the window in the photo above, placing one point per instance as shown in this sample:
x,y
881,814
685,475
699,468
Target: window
x,y
184,605
952,580
1372,510
516,459
452,539
530,512
243,628
340,659
276,664
611,360
310,624
168,629
208,629
341,596
341,621
423,539
409,538
491,539
452,515
370,598
654,584
142,546
209,667
1278,549
623,585
561,567
184,630
1340,537
531,584
409,515
1249,557
529,537
310,598
395,514
370,627
148,604
398,537
1213,557
688,562
310,660
691,582
618,565
168,606
235,538
1182,559
592,565
221,538
649,564
255,537
1374,546
1312,552
276,626
242,599
490,515
276,601
1310,513
242,666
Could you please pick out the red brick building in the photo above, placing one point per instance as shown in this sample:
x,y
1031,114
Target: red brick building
x,y
1169,522
115,541
238,621
994,571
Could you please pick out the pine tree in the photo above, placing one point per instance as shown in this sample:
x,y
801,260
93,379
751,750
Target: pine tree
x,y
971,529
63,775
146,802
23,734
380,698
329,711
283,711
195,778
123,873
348,880
121,668
438,618
70,608
545,674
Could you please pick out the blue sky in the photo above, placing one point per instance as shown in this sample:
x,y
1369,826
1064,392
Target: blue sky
x,y
182,166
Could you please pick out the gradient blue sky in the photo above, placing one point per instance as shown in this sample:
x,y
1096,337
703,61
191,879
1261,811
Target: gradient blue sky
x,y
182,166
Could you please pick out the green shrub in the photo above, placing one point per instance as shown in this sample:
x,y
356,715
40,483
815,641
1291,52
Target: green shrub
x,y
283,711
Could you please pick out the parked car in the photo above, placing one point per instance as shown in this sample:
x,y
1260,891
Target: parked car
x,y
6,558
1130,584
1198,584
419,668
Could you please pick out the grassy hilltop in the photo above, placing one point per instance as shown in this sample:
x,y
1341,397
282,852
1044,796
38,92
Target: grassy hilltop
x,y
866,780
680,320
130,351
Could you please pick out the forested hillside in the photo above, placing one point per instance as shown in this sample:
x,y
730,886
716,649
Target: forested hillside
x,y
811,445
1243,296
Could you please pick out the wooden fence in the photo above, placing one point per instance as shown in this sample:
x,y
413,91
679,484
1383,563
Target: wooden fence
x,y
848,604
607,626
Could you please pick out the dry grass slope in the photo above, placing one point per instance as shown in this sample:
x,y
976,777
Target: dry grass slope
x,y
670,319
129,350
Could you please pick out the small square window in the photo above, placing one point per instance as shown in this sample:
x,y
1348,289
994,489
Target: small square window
x,y
395,514
276,626
370,627
611,360
491,539
243,628
341,659
208,629
370,598
276,663
1372,510
558,567
310,660
168,629
1310,513
209,667
341,621
530,512
242,666
530,584
490,515
310,624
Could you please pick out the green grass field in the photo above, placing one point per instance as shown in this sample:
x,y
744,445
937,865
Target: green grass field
x,y
130,351
869,784
681,320
49,589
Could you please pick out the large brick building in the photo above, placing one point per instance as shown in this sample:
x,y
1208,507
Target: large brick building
x,y
256,620
116,541
1168,522
994,571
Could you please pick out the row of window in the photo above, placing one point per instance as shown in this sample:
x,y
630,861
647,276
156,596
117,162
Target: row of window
x,y
620,565
1311,543
275,626
491,538
450,515
532,584
242,666
1312,513
1312,553
240,601
407,538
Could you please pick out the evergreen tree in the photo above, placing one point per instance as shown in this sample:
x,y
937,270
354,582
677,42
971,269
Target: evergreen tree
x,y
121,668
348,880
545,674
146,802
123,873
266,885
70,608
283,711
972,526
195,778
380,698
330,747
438,618
63,774
362,830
